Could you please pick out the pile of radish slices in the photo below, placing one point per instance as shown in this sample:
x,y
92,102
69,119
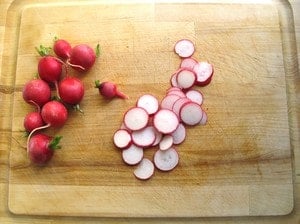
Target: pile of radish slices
x,y
162,124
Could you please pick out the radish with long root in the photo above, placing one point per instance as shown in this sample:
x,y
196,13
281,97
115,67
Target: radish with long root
x,y
32,121
82,57
109,90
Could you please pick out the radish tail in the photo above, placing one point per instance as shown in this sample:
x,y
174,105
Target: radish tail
x,y
121,95
35,104
75,66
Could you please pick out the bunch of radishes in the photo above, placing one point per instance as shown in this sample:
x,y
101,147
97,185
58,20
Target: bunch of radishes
x,y
152,123
54,72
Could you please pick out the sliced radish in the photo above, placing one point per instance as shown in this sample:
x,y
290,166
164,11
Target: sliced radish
x,y
168,101
136,118
191,113
179,134
165,121
122,138
188,63
158,137
184,48
144,170
195,96
132,155
149,103
186,79
178,104
166,142
204,72
144,137
172,88
176,92
204,118
166,160
173,80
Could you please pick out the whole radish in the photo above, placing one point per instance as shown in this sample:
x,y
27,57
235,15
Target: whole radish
x,y
82,57
62,48
109,90
32,121
49,69
36,92
71,90
41,148
54,114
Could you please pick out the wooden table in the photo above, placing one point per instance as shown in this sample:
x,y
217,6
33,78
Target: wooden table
x,y
7,217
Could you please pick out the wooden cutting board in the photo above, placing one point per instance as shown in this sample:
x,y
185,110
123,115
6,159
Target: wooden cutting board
x,y
238,164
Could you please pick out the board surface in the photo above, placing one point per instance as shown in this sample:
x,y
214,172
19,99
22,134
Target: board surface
x,y
238,164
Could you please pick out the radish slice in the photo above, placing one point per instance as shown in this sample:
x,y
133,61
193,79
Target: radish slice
x,y
158,137
166,142
165,121
204,118
166,160
176,92
188,63
173,88
178,104
144,170
136,118
184,48
195,96
191,113
179,134
204,72
149,103
168,101
132,155
122,138
173,80
186,79
144,137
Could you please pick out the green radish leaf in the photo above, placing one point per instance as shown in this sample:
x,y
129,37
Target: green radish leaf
x,y
98,50
54,144
43,51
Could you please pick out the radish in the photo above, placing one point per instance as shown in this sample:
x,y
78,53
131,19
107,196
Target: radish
x,y
185,79
136,118
109,90
144,137
184,48
132,155
166,142
168,101
191,113
173,80
41,148
158,137
165,121
149,103
122,139
144,170
195,96
54,114
62,48
50,69
178,105
204,118
177,92
188,63
36,92
204,72
32,121
166,160
82,57
179,134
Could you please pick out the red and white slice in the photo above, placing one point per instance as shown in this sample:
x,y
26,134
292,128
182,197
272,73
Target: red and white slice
x,y
168,101
122,138
166,160
144,170
173,80
204,118
185,78
188,63
136,118
204,72
176,92
149,103
178,104
165,121
144,137
133,154
158,137
166,142
195,96
184,48
179,134
191,113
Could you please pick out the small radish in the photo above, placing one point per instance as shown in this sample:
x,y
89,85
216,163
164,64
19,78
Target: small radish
x,y
166,142
185,79
109,90
41,148
191,113
165,121
179,134
195,96
184,48
149,103
36,92
204,72
50,69
144,170
166,160
82,57
32,121
144,137
122,139
62,48
136,118
132,155
54,114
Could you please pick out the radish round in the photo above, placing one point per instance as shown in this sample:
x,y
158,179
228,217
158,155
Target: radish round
x,y
122,139
168,101
173,80
179,134
178,104
36,92
144,170
32,121
204,72
165,121
166,142
144,137
177,92
188,63
136,118
166,160
204,118
191,113
132,155
149,103
54,114
195,96
184,48
185,79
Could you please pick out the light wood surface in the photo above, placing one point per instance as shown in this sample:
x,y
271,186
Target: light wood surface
x,y
255,182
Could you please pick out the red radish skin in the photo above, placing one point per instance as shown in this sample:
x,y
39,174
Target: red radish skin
x,y
49,69
165,121
71,90
144,170
132,155
36,92
136,118
191,113
122,139
82,57
144,137
109,90
179,134
166,160
62,48
166,142
184,48
32,121
41,148
149,103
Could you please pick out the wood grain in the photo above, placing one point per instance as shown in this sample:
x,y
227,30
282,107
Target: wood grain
x,y
244,157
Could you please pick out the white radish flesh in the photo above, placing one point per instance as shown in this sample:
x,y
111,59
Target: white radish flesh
x,y
204,72
168,101
188,63
178,104
132,155
149,103
191,113
166,142
166,160
144,137
179,134
144,170
185,79
184,48
165,121
122,138
136,118
195,96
